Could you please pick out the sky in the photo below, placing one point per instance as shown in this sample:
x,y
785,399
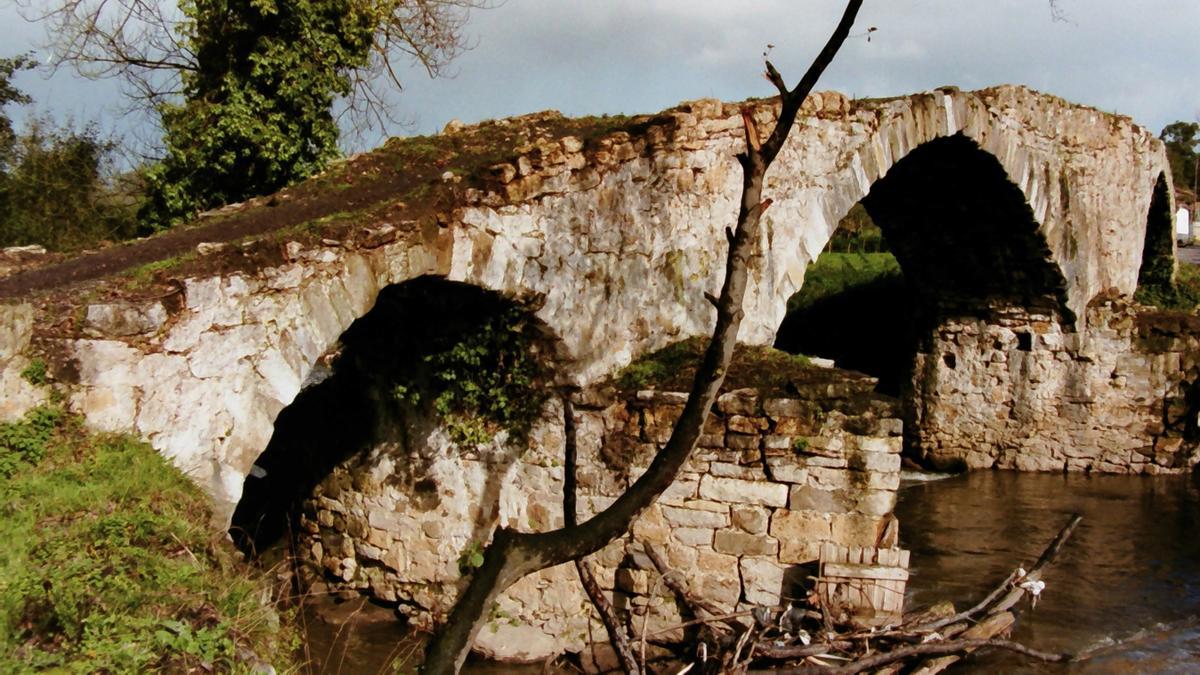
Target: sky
x,y
1135,57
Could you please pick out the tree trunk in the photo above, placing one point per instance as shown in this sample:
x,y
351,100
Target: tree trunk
x,y
512,555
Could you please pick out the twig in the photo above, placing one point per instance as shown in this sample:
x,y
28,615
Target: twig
x,y
942,649
776,653
616,632
693,603
964,615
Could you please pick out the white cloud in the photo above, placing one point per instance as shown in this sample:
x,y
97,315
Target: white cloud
x,y
597,56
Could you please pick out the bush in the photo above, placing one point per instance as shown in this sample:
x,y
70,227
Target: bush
x,y
54,190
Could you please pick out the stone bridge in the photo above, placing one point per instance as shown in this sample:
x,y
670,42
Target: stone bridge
x,y
992,199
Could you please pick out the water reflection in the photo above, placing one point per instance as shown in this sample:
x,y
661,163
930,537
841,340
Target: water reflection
x,y
1130,575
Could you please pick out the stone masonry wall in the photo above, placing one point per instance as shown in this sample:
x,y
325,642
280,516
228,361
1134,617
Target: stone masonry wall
x,y
615,240
1019,392
772,479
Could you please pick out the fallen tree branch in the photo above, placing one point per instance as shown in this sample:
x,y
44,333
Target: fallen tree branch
x,y
942,649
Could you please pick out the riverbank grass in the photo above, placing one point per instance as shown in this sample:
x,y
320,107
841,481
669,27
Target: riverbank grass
x,y
108,563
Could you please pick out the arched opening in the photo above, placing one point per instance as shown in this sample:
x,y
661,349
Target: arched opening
x,y
967,247
431,352
856,306
1156,276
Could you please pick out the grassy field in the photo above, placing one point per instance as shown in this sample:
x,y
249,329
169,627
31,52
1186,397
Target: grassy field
x,y
836,273
108,563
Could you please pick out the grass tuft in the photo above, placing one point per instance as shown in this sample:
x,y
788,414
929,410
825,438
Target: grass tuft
x,y
107,563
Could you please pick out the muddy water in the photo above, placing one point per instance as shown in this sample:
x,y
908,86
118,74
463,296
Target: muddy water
x,y
1126,585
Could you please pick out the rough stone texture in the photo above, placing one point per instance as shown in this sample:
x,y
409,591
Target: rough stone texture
x,y
17,395
616,243
1021,391
372,529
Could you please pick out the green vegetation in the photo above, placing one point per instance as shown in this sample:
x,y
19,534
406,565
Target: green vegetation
x,y
55,186
107,563
1183,149
257,110
35,372
673,368
836,273
471,558
857,233
488,379
1183,295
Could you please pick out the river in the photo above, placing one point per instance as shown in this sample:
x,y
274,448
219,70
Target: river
x,y
1127,584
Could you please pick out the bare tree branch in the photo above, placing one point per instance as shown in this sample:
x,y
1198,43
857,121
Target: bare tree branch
x,y
512,555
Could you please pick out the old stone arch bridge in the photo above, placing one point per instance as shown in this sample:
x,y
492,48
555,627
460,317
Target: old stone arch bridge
x,y
1022,213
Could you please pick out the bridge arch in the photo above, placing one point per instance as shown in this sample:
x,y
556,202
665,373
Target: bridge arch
x,y
371,395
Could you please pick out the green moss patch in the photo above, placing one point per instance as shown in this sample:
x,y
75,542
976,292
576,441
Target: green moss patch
x,y
107,563
673,368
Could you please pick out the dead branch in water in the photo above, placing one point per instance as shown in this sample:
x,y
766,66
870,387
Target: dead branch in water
x,y
809,640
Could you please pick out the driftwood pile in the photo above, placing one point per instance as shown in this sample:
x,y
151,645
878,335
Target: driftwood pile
x,y
809,638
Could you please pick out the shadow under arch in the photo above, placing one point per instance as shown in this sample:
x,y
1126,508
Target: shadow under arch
x,y
968,245
349,404
964,233
1157,271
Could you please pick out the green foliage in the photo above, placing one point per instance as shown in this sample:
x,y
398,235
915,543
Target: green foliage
x,y
835,273
10,94
857,233
107,564
257,110
35,373
471,558
489,380
673,368
1183,294
1156,274
1182,140
25,442
657,367
53,185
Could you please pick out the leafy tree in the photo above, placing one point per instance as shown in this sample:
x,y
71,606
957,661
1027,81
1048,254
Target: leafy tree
x,y
245,89
1182,140
9,94
57,190
53,187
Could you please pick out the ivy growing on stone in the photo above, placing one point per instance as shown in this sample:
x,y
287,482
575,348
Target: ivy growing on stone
x,y
489,379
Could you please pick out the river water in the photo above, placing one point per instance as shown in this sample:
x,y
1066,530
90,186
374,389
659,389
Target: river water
x,y
1127,584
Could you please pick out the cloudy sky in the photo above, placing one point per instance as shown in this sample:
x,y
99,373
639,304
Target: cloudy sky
x,y
1139,58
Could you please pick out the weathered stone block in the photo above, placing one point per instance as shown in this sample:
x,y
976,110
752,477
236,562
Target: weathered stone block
x,y
693,536
789,469
762,581
807,498
743,491
742,441
688,517
739,402
743,543
746,425
752,519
